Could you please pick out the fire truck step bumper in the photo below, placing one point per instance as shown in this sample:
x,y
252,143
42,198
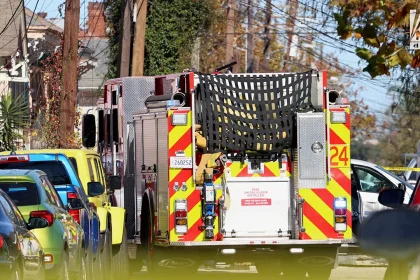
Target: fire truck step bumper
x,y
260,242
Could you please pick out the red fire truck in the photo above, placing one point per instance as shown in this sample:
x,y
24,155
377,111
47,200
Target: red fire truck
x,y
231,167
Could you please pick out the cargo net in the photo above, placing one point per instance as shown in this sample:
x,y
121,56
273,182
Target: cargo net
x,y
244,113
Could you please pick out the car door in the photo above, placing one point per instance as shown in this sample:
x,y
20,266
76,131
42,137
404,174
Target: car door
x,y
31,248
369,183
70,225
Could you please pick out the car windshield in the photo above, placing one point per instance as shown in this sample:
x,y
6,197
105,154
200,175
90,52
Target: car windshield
x,y
21,193
55,170
396,177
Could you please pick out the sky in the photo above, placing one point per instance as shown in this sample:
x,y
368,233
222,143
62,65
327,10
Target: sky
x,y
373,92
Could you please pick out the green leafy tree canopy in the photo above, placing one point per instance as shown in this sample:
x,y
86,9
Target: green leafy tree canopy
x,y
382,29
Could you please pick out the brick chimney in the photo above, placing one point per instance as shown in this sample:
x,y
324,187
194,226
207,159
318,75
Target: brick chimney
x,y
96,20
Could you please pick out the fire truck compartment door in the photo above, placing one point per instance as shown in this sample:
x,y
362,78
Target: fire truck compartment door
x,y
257,208
369,204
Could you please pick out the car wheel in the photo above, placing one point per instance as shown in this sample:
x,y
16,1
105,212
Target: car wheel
x,y
120,259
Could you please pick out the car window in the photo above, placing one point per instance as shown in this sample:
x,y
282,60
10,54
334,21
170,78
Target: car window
x,y
55,170
18,214
74,163
100,171
8,210
92,178
53,196
408,185
413,176
21,193
371,181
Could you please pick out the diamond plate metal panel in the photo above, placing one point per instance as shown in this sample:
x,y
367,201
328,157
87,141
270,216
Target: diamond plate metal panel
x,y
163,173
258,242
135,90
311,150
149,142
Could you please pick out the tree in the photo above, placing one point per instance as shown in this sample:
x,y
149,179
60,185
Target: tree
x,y
172,27
402,125
49,104
14,118
113,15
382,31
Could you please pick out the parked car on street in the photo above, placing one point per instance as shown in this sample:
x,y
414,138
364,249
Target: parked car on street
x,y
63,240
368,179
60,172
21,254
83,169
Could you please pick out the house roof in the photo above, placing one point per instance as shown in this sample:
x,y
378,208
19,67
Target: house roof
x,y
39,22
97,50
10,26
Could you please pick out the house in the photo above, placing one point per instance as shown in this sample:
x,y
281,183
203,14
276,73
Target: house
x,y
93,58
44,35
14,76
43,38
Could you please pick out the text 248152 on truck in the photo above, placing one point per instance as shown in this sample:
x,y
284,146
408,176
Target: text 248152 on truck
x,y
230,165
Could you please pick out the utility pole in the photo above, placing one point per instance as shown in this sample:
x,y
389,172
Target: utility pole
x,y
70,63
250,38
230,29
290,28
139,37
125,39
267,36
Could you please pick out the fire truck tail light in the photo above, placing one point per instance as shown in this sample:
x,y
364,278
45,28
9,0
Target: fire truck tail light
x,y
181,213
340,214
181,219
338,117
14,158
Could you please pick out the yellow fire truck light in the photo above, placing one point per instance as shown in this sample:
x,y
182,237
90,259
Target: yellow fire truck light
x,y
179,119
340,219
181,222
338,117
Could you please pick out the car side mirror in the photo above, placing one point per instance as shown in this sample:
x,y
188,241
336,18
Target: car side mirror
x,y
392,198
75,204
95,189
35,222
401,186
114,182
88,130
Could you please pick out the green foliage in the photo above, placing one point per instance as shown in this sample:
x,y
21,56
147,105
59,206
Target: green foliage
x,y
172,27
14,117
113,15
380,26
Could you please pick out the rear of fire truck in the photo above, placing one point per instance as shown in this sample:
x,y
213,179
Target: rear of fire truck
x,y
237,167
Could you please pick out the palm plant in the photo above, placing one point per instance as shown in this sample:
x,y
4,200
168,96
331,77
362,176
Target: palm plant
x,y
14,117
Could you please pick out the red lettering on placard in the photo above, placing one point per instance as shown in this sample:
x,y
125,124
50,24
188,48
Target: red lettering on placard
x,y
256,202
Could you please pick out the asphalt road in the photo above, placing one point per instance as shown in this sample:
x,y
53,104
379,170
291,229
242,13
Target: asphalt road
x,y
340,273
